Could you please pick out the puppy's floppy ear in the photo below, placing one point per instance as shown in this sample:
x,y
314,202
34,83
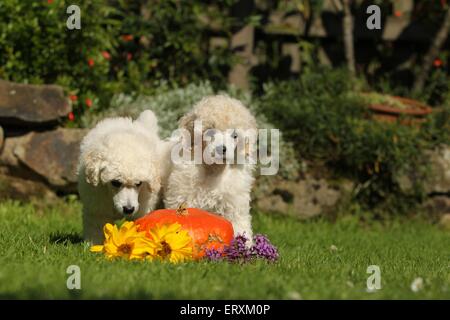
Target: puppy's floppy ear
x,y
250,143
251,139
187,122
93,163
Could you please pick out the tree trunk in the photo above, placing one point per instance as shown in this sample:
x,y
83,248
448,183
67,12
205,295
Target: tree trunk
x,y
348,36
432,53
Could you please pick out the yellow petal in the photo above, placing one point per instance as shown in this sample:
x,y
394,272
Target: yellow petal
x,y
174,227
126,227
107,229
143,252
144,243
178,240
162,231
110,248
136,257
177,257
154,236
115,237
98,248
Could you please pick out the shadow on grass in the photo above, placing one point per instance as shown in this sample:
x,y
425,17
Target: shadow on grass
x,y
65,238
38,294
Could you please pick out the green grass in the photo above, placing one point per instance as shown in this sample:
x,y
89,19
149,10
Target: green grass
x,y
37,245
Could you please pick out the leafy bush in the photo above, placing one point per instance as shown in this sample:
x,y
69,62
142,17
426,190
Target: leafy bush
x,y
37,47
326,122
169,104
170,40
123,46
436,130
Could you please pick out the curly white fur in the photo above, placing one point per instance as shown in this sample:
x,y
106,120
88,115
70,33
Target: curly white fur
x,y
119,172
220,188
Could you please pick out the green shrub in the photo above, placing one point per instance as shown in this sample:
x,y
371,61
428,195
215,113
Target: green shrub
x,y
171,40
123,46
327,122
169,104
37,47
436,130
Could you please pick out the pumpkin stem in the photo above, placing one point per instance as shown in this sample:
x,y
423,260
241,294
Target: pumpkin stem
x,y
182,209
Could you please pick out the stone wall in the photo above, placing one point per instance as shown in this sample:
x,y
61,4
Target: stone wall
x,y
37,156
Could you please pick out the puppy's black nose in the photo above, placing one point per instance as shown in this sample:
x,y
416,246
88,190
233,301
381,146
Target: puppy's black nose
x,y
128,209
221,149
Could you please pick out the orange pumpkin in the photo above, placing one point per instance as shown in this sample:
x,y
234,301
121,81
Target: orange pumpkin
x,y
207,230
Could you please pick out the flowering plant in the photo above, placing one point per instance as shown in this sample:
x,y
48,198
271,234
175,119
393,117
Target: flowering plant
x,y
239,251
166,242
169,242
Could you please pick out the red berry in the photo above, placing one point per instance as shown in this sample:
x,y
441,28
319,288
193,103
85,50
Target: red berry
x,y
437,62
129,56
88,102
127,37
91,62
106,55
73,97
398,13
71,116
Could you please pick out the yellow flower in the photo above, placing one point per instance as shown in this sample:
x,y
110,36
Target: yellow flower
x,y
125,242
172,243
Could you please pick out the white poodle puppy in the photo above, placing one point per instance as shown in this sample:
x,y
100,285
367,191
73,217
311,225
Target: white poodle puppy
x,y
217,183
118,172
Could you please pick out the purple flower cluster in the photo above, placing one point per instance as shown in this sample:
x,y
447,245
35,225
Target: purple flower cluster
x,y
263,248
213,254
239,251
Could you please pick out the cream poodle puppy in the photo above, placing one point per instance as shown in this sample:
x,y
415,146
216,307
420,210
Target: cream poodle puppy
x,y
218,175
119,172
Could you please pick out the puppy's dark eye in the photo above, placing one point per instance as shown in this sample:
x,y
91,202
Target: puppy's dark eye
x,y
138,184
234,135
116,183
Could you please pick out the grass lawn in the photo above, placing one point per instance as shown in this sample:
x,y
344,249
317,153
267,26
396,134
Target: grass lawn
x,y
37,246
